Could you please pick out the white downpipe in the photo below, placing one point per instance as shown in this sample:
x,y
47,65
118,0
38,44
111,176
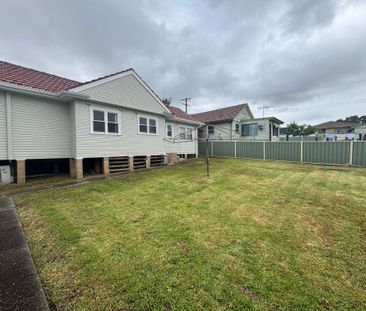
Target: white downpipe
x,y
235,148
264,150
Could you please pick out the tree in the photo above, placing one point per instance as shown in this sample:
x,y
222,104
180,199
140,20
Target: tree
x,y
297,130
354,119
308,130
166,101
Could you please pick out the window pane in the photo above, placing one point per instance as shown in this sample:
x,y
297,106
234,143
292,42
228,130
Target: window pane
x,y
98,115
99,126
152,129
182,132
112,127
211,129
143,128
169,130
189,134
245,130
143,121
152,122
253,129
112,117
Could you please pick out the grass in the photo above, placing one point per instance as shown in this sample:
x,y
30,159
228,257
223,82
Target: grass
x,y
253,236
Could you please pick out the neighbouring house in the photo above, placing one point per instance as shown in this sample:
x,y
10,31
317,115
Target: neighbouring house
x,y
337,130
50,124
237,122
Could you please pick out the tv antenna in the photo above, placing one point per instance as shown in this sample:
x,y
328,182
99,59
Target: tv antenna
x,y
265,108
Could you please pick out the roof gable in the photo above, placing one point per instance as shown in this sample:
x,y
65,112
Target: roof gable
x,y
125,89
223,114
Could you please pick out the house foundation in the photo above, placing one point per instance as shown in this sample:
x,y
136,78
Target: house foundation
x,y
130,164
106,166
76,168
20,167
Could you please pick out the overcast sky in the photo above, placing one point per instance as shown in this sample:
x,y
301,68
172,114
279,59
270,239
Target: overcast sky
x,y
307,58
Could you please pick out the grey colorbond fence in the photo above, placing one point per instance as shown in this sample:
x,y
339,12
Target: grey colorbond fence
x,y
318,152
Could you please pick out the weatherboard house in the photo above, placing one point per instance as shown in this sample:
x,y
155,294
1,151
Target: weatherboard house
x,y
238,123
50,124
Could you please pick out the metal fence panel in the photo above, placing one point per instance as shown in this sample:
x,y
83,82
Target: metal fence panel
x,y
202,148
359,154
223,148
285,151
250,150
327,152
302,138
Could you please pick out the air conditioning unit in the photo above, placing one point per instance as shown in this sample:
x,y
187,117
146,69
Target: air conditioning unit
x,y
5,174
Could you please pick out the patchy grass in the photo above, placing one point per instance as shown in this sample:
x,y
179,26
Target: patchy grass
x,y
255,235
32,184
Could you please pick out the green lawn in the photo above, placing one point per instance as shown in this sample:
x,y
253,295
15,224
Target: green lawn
x,y
254,235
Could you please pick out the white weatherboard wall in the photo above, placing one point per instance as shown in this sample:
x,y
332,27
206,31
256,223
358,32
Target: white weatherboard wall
x,y
3,131
130,142
183,147
126,91
41,128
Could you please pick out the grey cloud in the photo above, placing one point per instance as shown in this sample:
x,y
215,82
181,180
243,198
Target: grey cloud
x,y
284,53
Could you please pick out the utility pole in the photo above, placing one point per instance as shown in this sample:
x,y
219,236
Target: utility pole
x,y
185,103
264,108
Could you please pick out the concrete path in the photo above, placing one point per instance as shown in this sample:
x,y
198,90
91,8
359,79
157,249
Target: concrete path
x,y
20,288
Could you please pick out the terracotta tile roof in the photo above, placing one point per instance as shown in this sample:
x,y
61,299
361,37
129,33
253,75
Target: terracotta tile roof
x,y
27,77
179,113
335,124
222,114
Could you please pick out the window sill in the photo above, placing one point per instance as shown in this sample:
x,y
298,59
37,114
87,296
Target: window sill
x,y
149,134
109,134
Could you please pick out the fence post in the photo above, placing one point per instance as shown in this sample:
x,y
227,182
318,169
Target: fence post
x,y
264,150
235,147
302,150
212,153
351,152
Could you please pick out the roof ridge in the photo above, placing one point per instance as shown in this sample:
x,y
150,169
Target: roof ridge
x,y
244,104
106,76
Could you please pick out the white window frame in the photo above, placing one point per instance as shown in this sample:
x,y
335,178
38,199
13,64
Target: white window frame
x,y
166,130
105,110
208,132
185,132
148,118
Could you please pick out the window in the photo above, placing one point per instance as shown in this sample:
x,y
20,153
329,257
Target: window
x,y
143,125
189,133
237,128
105,121
112,122
210,130
169,130
249,129
98,121
148,125
185,133
152,126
